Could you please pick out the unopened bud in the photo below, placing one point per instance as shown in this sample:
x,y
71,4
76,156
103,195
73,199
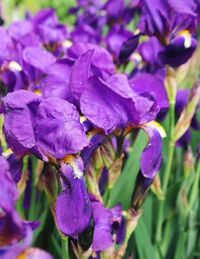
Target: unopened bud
x,y
156,188
188,162
50,183
188,112
171,85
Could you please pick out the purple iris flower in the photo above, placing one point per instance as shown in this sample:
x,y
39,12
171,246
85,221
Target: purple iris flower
x,y
174,24
46,127
43,27
90,21
106,223
73,217
112,105
157,17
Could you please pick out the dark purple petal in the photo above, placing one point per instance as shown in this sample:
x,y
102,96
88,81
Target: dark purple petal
x,y
141,188
73,207
121,231
182,98
184,140
85,33
95,141
128,47
114,8
6,46
152,154
179,50
117,213
45,16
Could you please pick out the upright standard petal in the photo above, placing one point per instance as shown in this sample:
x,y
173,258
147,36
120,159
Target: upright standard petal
x,y
114,105
148,83
102,61
79,75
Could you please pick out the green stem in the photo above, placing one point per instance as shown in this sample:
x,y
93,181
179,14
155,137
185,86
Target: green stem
x,y
65,254
167,172
195,188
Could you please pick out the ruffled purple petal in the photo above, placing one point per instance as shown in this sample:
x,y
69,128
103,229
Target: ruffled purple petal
x,y
111,105
57,128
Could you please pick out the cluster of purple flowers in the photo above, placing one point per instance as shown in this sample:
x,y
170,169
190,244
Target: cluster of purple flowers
x,y
69,94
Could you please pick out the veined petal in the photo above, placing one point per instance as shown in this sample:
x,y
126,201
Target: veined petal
x,y
58,129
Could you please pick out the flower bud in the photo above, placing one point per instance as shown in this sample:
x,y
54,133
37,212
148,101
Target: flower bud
x,y
188,112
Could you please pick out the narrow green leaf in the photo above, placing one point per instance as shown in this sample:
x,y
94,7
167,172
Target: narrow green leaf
x,y
143,241
123,188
